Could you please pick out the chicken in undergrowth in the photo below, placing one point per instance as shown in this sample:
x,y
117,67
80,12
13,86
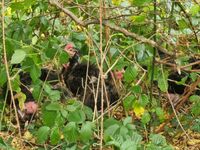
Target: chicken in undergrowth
x,y
179,82
25,103
82,79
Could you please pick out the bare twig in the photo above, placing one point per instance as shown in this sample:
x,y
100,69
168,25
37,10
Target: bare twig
x,y
191,64
101,70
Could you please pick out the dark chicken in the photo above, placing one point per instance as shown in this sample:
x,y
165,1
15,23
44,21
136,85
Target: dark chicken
x,y
175,84
80,78
30,105
75,75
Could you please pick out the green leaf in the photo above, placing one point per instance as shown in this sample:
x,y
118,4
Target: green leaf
x,y
128,102
196,125
16,84
113,51
22,5
63,57
54,95
55,136
138,19
11,46
194,98
77,116
74,147
88,112
140,2
110,121
131,127
47,88
158,139
194,76
3,76
160,113
195,109
81,1
21,99
47,118
128,145
36,91
53,106
146,118
35,73
130,74
71,132
115,143
71,108
28,3
18,56
137,138
60,121
78,36
162,82
195,10
121,64
73,104
64,113
34,40
51,52
123,131
127,120
86,131
17,6
42,134
116,2
110,131
44,26
182,24
28,62
2,143
143,100
141,48
136,89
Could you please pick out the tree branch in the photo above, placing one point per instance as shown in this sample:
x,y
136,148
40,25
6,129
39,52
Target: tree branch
x,y
111,26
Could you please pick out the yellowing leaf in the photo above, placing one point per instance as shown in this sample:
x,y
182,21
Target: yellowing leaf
x,y
116,2
34,40
21,99
138,110
27,135
138,19
8,12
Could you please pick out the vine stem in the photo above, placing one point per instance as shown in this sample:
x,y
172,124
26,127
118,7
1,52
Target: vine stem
x,y
7,69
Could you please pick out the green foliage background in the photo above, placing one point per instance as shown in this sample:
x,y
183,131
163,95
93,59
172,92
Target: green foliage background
x,y
36,34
